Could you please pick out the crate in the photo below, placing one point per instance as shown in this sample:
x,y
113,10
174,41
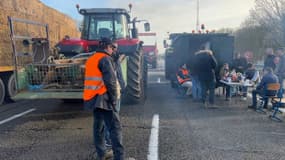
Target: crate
x,y
55,77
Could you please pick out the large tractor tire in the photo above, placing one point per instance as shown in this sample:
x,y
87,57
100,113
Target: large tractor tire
x,y
135,89
2,91
10,87
145,75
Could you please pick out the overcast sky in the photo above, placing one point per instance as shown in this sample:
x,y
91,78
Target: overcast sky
x,y
169,15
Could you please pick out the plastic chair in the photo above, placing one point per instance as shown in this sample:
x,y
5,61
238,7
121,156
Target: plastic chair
x,y
278,102
181,91
269,93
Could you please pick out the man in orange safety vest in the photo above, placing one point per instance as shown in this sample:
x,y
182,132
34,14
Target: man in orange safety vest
x,y
100,96
183,78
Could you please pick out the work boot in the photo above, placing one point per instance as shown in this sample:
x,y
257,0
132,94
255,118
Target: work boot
x,y
251,107
108,155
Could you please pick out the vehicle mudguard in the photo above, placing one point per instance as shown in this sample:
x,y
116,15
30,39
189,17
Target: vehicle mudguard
x,y
128,47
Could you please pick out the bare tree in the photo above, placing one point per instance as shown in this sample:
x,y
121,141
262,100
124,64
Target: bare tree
x,y
270,14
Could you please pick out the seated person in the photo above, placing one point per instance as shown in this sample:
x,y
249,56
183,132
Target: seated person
x,y
183,77
269,77
230,77
251,75
224,74
225,71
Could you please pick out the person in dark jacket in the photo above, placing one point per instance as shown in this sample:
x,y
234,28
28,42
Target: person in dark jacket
x,y
280,71
120,87
205,69
196,86
269,60
118,69
269,77
100,96
252,76
240,63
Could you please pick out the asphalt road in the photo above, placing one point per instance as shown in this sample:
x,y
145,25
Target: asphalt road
x,y
61,131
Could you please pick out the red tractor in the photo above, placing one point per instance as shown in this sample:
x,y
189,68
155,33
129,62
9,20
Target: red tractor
x,y
117,25
150,48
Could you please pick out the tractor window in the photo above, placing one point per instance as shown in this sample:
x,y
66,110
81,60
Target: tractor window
x,y
103,25
100,26
121,25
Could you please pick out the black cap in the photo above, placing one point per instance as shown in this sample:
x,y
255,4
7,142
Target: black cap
x,y
104,42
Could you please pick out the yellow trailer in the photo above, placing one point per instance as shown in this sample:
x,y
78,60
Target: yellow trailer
x,y
7,83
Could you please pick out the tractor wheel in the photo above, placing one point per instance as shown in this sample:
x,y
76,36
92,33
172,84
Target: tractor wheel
x,y
10,87
145,75
134,92
2,92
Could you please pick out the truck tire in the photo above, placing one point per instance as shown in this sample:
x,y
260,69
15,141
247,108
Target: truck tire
x,y
145,75
10,87
2,92
134,92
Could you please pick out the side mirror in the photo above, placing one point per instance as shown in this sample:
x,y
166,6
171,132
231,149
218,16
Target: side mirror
x,y
146,27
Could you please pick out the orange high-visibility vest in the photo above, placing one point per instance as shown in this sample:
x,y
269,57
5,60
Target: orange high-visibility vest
x,y
185,73
93,83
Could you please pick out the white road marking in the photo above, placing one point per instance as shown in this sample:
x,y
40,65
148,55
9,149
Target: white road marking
x,y
17,116
153,140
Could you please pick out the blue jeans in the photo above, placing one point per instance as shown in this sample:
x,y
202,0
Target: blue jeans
x,y
208,85
196,88
110,119
254,97
107,133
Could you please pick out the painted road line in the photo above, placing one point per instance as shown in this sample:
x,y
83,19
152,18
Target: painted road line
x,y
17,116
153,140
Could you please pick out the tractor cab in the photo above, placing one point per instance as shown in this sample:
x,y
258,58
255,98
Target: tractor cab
x,y
109,23
113,23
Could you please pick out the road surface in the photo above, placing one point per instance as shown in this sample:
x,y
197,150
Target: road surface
x,y
53,130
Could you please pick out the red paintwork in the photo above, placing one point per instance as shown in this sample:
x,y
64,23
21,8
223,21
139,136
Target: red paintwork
x,y
121,42
86,43
127,42
148,49
75,41
147,34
